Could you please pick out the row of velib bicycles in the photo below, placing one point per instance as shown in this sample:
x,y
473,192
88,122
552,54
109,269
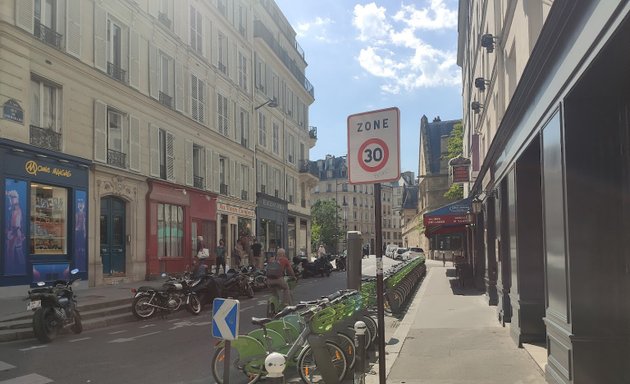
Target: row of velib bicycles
x,y
401,280
326,324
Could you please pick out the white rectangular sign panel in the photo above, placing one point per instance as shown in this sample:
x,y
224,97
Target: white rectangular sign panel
x,y
374,146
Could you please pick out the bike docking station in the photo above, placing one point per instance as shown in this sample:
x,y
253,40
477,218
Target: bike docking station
x,y
225,320
374,157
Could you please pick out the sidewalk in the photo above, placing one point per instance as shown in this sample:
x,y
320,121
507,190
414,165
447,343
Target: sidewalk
x,y
451,335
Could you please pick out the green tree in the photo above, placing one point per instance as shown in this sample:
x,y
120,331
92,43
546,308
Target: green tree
x,y
325,225
455,147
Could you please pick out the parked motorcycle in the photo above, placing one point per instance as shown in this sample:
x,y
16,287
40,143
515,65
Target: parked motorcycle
x,y
258,277
319,267
55,308
173,295
206,288
235,284
340,262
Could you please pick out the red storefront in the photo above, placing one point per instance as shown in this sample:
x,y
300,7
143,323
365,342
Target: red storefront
x,y
176,215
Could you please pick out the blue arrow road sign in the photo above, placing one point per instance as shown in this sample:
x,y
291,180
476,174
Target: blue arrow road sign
x,y
225,318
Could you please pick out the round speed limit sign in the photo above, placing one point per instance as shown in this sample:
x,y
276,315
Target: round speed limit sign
x,y
374,146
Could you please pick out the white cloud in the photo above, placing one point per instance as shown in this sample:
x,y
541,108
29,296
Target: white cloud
x,y
317,28
396,52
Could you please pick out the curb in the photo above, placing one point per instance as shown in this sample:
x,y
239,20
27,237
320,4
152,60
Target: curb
x,y
393,350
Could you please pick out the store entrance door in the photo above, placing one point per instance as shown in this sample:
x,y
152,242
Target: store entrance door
x,y
113,236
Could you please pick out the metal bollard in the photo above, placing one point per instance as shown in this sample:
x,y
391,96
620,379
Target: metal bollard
x,y
360,352
275,364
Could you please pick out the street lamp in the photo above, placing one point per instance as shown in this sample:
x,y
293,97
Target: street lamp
x,y
270,103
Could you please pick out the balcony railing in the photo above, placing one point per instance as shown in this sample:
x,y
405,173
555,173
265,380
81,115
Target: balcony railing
x,y
166,99
304,166
312,132
223,189
164,19
117,159
47,35
45,138
243,195
117,72
198,182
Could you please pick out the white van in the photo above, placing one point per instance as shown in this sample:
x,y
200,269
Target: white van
x,y
390,251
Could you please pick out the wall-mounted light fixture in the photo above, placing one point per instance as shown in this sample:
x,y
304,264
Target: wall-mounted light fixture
x,y
183,191
487,41
480,83
270,103
476,205
476,106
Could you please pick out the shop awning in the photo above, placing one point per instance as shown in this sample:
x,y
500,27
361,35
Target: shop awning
x,y
450,218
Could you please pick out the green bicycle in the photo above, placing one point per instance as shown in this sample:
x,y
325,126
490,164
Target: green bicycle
x,y
274,302
247,357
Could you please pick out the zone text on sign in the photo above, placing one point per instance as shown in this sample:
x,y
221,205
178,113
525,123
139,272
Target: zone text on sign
x,y
370,125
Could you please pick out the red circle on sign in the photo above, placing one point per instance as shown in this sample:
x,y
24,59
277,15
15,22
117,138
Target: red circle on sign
x,y
383,162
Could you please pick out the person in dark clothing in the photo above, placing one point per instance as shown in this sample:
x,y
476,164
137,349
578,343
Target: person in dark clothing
x,y
220,257
257,252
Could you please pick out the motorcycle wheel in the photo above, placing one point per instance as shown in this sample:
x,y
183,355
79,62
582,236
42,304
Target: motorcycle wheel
x,y
238,374
140,308
45,324
77,327
194,305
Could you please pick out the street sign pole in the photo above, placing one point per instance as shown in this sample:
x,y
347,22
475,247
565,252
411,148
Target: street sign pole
x,y
226,364
225,321
380,302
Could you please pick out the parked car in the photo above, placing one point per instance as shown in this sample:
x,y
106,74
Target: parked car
x,y
390,251
399,253
412,253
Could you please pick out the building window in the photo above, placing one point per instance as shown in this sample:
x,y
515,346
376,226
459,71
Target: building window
x,y
244,127
262,130
49,213
116,151
222,114
223,175
242,71
275,138
45,127
162,151
167,78
242,20
199,161
222,53
290,149
197,95
244,182
165,13
170,230
196,30
116,57
45,22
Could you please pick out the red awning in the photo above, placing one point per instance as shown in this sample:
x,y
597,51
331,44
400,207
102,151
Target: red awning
x,y
451,218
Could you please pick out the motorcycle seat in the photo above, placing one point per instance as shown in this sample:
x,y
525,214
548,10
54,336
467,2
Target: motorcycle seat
x,y
261,320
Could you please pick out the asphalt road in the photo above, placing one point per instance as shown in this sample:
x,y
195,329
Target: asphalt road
x,y
177,349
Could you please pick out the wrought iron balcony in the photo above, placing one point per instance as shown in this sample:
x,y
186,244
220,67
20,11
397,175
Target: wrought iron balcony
x,y
164,19
45,138
312,132
47,35
117,159
166,99
198,182
224,189
117,72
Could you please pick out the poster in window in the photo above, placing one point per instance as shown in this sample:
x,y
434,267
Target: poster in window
x,y
80,230
14,255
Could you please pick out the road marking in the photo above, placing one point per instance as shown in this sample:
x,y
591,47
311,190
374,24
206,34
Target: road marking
x,y
117,332
5,366
33,378
124,340
148,326
81,339
33,347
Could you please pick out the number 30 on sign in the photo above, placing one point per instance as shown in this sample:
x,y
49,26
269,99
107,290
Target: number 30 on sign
x,y
374,146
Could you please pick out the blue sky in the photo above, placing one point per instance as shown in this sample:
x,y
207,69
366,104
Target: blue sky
x,y
368,55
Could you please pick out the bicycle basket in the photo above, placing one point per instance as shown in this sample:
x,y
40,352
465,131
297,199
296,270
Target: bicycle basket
x,y
322,321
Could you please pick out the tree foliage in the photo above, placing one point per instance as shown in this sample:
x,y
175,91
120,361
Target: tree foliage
x,y
325,225
455,147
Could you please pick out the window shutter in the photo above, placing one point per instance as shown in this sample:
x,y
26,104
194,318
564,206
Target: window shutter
x,y
60,22
170,157
210,181
233,63
134,143
153,72
182,27
268,81
189,162
237,180
24,17
100,131
73,27
238,123
124,145
100,38
154,144
201,93
134,59
231,164
215,177
179,86
207,42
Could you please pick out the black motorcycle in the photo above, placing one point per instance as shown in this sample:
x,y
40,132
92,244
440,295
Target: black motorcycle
x,y
206,288
319,267
257,277
173,295
235,284
55,308
340,262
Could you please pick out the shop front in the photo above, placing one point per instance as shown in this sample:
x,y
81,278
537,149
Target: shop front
x,y
176,216
45,215
298,239
271,223
236,220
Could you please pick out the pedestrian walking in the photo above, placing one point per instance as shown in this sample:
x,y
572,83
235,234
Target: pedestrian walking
x,y
220,257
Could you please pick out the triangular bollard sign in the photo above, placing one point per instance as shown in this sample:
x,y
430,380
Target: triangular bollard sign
x,y
225,318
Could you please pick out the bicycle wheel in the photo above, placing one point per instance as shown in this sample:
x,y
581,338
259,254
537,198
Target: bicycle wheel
x,y
347,345
239,373
308,370
372,326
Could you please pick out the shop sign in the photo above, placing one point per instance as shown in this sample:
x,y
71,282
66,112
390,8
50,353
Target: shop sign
x,y
272,204
459,169
32,168
239,211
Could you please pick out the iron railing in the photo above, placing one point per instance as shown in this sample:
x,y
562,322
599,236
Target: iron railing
x,y
312,132
304,166
45,138
47,35
198,182
117,72
224,189
117,159
166,99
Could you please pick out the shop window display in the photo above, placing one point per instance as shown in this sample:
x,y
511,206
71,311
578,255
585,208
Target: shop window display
x,y
49,219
